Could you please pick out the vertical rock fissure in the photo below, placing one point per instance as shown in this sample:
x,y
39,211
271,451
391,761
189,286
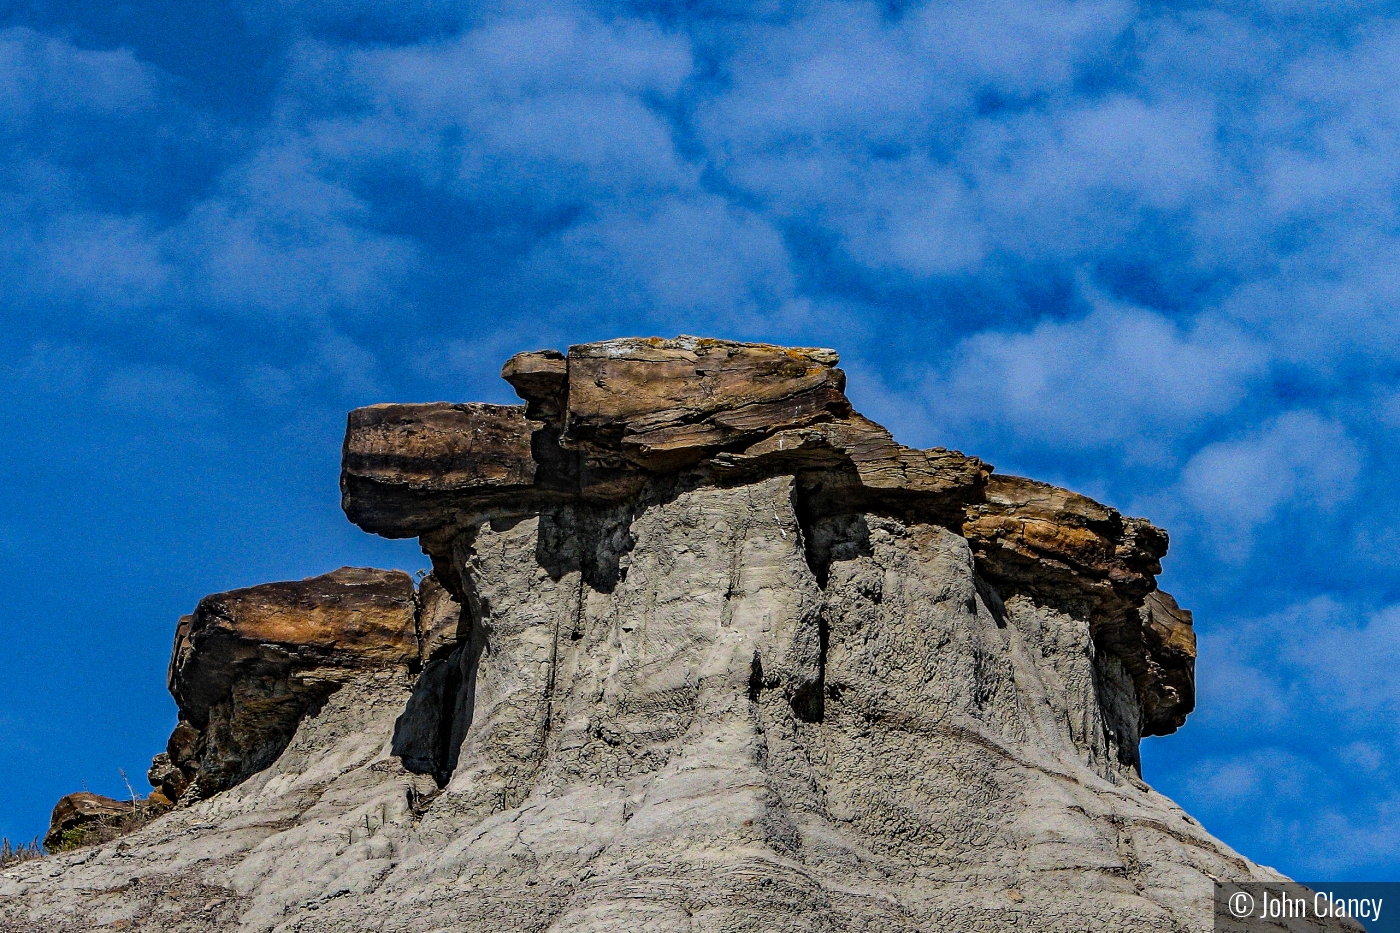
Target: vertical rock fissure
x,y
428,734
548,743
547,721
803,507
732,588
443,758
809,701
418,635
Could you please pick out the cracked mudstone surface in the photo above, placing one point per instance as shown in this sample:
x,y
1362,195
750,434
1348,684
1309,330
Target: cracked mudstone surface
x,y
703,650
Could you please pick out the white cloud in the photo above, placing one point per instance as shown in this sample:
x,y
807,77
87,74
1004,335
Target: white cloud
x,y
545,109
1259,773
40,73
1297,461
913,216
679,261
280,239
1084,179
113,263
1319,654
1120,378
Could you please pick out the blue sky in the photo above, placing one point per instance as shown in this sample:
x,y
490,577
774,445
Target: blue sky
x,y
1147,250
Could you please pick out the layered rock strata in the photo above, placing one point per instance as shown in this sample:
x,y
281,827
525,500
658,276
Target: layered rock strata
x,y
703,649
249,664
620,420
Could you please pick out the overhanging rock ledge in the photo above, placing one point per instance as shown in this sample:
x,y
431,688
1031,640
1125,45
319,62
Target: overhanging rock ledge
x,y
609,420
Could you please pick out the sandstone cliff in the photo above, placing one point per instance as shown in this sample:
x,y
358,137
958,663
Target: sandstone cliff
x,y
703,649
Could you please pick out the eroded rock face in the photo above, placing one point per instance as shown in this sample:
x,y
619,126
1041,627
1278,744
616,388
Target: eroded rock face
x,y
703,649
607,421
1065,550
248,664
76,817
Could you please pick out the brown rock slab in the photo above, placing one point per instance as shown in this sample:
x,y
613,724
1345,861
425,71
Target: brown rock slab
x,y
1170,639
404,466
665,404
880,464
168,779
249,663
541,378
1062,546
83,818
350,618
600,419
1068,551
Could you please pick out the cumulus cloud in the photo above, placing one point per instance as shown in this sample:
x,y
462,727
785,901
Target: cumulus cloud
x,y
111,263
61,247
1119,378
985,141
543,110
1321,652
681,260
280,240
1298,460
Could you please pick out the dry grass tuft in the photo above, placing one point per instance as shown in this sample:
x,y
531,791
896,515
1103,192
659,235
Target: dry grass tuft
x,y
11,854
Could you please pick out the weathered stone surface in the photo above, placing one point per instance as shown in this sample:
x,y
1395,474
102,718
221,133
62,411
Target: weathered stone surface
x,y
352,617
855,457
665,404
1063,547
441,622
168,779
542,379
673,723
85,819
598,421
249,663
703,649
1070,552
172,770
77,810
1169,689
406,467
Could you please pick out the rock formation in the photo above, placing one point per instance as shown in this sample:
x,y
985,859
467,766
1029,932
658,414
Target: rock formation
x,y
249,664
85,819
702,649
